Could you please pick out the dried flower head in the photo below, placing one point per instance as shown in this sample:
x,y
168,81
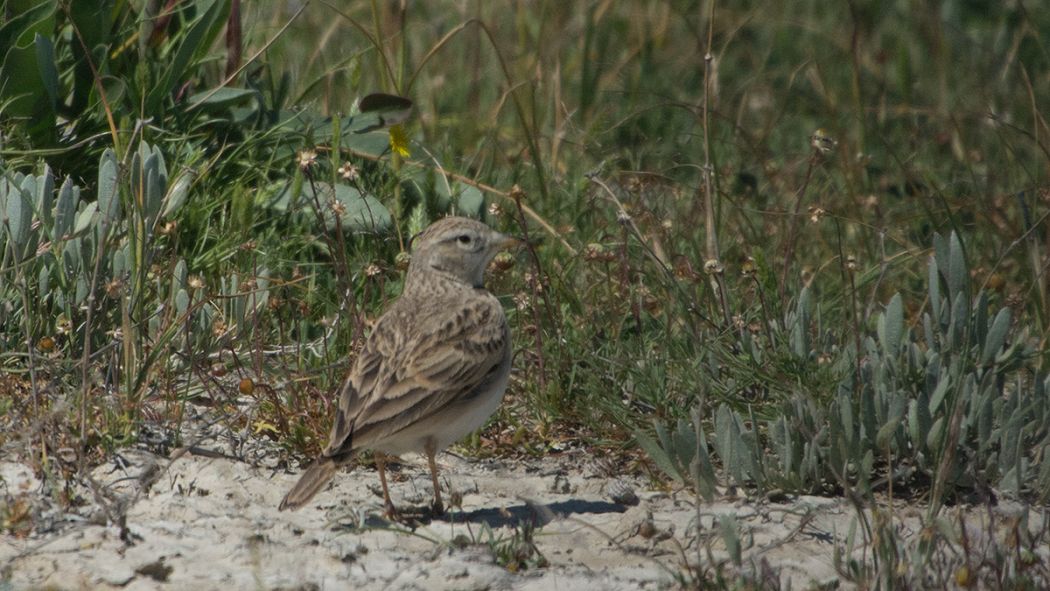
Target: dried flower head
x,y
348,172
337,206
748,268
503,261
822,142
307,159
534,281
218,327
598,253
517,193
713,267
522,301
372,270
851,262
816,213
195,282
495,209
114,287
402,260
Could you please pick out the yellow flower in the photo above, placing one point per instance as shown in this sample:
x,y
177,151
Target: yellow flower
x,y
399,141
262,426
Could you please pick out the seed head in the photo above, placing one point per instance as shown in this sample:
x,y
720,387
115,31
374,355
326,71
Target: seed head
x,y
307,159
822,142
348,172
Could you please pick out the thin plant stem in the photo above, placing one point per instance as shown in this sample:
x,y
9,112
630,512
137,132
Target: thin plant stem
x,y
710,188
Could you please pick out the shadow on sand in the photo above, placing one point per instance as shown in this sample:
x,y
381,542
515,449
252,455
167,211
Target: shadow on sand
x,y
537,514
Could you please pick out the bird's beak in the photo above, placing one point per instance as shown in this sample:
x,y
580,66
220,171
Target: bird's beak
x,y
504,242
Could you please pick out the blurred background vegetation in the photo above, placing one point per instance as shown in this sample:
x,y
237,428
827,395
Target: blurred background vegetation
x,y
728,195
795,246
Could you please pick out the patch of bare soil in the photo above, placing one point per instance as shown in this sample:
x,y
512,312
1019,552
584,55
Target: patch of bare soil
x,y
208,519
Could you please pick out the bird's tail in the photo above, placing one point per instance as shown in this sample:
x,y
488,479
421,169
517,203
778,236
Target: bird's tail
x,y
312,481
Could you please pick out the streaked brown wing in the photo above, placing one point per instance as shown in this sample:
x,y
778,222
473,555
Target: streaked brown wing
x,y
397,379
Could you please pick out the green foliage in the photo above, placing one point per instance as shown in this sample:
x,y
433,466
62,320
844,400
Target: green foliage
x,y
169,217
960,406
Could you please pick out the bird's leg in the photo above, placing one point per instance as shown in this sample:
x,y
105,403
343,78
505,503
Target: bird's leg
x,y
391,511
438,507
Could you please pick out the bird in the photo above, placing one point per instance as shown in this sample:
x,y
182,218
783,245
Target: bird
x,y
433,368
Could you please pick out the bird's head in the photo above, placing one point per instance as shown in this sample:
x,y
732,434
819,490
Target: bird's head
x,y
458,246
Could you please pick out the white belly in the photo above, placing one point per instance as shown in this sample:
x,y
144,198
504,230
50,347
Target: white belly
x,y
451,424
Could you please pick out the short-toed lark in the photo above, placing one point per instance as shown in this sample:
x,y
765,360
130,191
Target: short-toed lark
x,y
434,366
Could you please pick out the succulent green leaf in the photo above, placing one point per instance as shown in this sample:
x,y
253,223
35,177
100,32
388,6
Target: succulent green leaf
x,y
65,210
471,202
958,274
939,393
700,468
81,293
222,98
197,39
892,324
731,537
45,192
941,253
657,453
71,258
684,443
182,301
19,215
44,281
1043,482
154,191
86,218
887,430
178,193
181,273
979,325
846,417
933,438
984,423
935,290
45,62
914,427
108,201
996,336
960,318
120,263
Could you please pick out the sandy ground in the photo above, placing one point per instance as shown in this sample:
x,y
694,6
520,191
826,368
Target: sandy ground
x,y
202,522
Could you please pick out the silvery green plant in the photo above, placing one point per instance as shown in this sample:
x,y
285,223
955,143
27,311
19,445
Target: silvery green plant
x,y
67,250
953,398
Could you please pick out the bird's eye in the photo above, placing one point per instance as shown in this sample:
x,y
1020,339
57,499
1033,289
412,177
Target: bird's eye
x,y
463,239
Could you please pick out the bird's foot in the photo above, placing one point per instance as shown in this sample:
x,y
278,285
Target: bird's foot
x,y
437,508
391,512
